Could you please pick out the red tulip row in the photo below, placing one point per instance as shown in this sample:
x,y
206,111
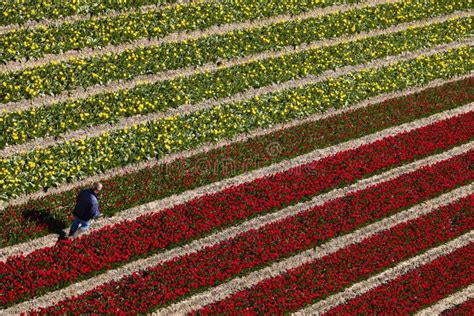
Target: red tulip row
x,y
416,289
323,277
157,286
40,216
466,308
54,267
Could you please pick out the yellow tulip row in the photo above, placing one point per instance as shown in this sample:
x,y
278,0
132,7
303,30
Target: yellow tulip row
x,y
22,11
57,77
80,158
156,23
19,127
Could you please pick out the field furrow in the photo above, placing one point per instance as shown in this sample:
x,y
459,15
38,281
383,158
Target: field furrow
x,y
263,195
459,303
197,245
463,308
56,77
246,252
41,11
165,204
455,91
148,81
74,159
252,156
222,33
130,269
40,216
386,276
130,26
417,288
23,126
356,261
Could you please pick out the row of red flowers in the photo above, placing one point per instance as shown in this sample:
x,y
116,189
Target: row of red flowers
x,y
416,289
54,267
160,285
320,278
466,308
50,214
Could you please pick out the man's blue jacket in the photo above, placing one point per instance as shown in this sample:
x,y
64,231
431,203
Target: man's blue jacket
x,y
87,205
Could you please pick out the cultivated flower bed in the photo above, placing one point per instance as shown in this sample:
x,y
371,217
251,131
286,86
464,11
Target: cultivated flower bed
x,y
55,77
39,216
79,158
251,159
155,23
19,127
419,288
112,245
312,282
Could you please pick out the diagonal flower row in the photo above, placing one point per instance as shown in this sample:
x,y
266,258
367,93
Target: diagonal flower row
x,y
19,127
419,288
55,77
76,159
155,23
20,12
465,308
49,268
316,280
39,216
161,285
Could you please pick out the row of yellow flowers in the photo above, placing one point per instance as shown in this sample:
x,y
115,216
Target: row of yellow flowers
x,y
22,11
57,77
21,126
77,159
129,26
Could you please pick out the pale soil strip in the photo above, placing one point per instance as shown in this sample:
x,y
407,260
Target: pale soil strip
x,y
96,131
387,276
32,24
184,36
211,146
227,289
197,245
173,200
80,93
448,302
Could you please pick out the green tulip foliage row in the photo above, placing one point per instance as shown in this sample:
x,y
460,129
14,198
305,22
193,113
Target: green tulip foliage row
x,y
127,27
56,77
22,11
80,158
19,127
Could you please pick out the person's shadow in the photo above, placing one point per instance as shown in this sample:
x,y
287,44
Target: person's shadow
x,y
44,217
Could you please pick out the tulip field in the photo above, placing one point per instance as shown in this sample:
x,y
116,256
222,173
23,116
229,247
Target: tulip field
x,y
257,157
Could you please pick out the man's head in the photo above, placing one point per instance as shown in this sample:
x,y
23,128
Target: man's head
x,y
96,187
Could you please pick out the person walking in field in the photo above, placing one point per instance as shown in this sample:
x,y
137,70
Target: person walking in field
x,y
87,208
